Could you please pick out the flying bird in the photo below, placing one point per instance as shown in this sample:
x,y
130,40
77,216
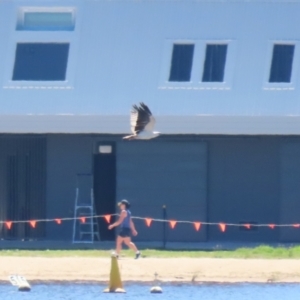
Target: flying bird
x,y
142,123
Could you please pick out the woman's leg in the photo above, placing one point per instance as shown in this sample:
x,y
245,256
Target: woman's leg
x,y
119,244
130,244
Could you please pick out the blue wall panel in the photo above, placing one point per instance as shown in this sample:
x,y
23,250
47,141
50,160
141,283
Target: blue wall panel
x,y
244,187
290,190
153,174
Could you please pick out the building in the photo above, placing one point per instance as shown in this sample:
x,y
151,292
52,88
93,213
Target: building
x,y
221,77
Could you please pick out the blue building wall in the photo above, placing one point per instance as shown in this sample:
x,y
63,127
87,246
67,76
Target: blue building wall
x,y
198,178
207,179
120,54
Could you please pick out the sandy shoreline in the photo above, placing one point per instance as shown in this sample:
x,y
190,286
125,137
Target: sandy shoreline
x,y
92,269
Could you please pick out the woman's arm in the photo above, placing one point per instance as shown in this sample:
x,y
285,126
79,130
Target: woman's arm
x,y
123,215
134,232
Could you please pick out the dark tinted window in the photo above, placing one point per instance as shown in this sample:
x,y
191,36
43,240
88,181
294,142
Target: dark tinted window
x,y
182,60
214,65
282,62
41,61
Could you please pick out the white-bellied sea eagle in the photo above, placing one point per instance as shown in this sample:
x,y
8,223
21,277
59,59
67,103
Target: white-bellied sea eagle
x,y
142,123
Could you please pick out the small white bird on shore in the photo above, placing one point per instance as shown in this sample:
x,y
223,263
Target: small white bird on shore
x,y
142,123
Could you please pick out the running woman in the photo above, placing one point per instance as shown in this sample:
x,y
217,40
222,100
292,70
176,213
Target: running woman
x,y
126,229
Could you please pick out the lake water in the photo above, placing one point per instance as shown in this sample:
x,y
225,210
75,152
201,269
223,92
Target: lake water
x,y
73,291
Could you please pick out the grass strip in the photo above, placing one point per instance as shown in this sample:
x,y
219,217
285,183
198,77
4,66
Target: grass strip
x,y
265,252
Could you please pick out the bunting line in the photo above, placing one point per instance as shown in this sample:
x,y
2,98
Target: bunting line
x,y
197,225
107,218
296,225
8,224
223,226
172,223
148,221
32,223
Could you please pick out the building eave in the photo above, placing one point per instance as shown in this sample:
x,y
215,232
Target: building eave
x,y
119,124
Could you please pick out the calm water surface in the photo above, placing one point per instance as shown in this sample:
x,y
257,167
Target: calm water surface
x,y
141,292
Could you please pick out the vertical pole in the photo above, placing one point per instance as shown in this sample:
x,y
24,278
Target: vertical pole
x,y
75,214
92,212
164,226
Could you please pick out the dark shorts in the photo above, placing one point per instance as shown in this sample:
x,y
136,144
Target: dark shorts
x,y
125,232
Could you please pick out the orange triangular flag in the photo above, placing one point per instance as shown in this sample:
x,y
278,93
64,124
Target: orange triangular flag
x,y
8,224
58,221
272,226
247,226
107,218
296,225
148,221
197,225
82,219
32,223
222,226
173,224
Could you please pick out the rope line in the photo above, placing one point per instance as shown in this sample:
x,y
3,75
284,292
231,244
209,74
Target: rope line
x,y
55,219
154,220
218,223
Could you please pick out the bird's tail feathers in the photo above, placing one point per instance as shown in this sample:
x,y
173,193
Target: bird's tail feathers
x,y
129,137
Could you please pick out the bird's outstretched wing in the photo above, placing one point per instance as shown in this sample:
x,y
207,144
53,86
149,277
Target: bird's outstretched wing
x,y
141,118
151,123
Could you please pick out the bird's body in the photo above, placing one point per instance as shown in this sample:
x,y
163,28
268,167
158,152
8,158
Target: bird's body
x,y
142,136
142,123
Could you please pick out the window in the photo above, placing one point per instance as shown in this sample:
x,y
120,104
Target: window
x,y
181,64
214,64
193,64
282,62
105,149
41,61
46,19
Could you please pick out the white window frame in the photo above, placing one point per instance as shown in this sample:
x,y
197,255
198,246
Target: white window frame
x,y
24,36
196,82
275,86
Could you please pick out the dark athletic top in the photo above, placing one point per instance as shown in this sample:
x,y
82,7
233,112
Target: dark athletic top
x,y
126,222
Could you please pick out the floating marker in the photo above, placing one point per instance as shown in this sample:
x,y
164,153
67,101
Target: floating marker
x,y
20,282
156,289
115,282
